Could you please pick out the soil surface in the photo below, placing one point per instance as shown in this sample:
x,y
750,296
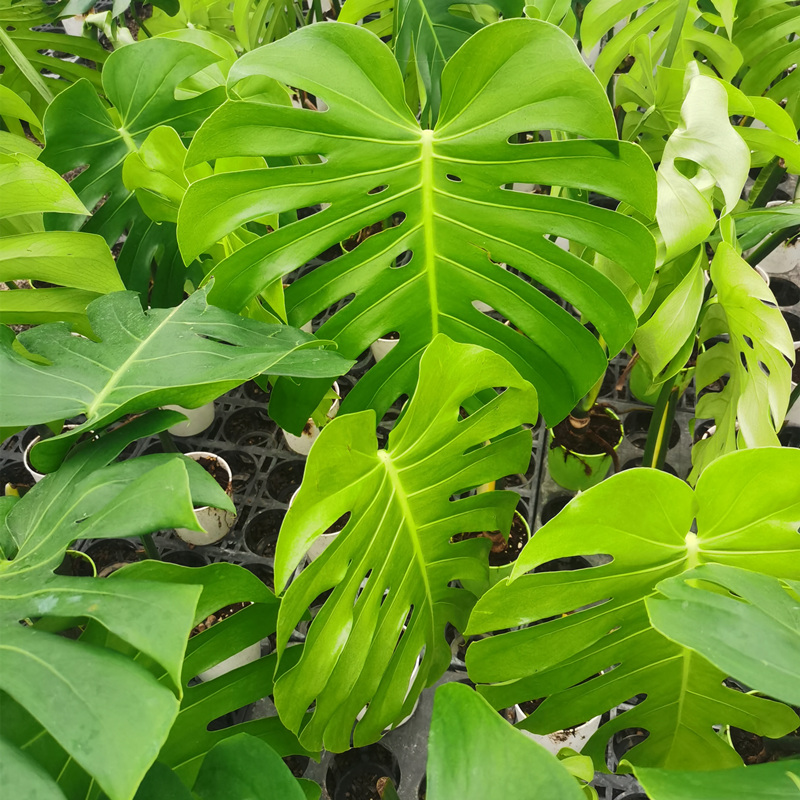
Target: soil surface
x,y
285,479
360,784
600,436
502,552
297,764
261,535
756,749
529,706
105,554
216,471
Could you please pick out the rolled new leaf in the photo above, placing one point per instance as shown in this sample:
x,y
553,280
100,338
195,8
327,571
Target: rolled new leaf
x,y
184,356
391,568
593,645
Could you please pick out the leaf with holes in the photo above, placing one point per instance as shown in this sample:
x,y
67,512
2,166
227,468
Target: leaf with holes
x,y
190,739
392,566
766,34
443,225
28,58
703,153
680,31
79,263
587,643
747,377
184,356
141,82
60,695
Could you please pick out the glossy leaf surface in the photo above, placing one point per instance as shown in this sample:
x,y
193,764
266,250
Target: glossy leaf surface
x,y
185,356
463,724
751,630
391,567
594,620
66,692
421,276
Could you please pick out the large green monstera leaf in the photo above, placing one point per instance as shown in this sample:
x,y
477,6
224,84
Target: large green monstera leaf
x,y
392,567
63,701
189,739
186,355
449,225
588,644
142,83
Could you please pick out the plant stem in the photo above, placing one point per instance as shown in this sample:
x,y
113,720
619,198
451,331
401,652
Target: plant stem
x,y
771,243
168,443
675,33
655,450
766,183
150,546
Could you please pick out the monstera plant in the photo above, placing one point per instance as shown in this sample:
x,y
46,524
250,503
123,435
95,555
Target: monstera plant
x,y
439,203
186,355
586,642
392,566
145,85
61,700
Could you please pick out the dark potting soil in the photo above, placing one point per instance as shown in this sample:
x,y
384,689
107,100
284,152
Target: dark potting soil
x,y
297,764
261,535
285,479
360,784
529,706
600,436
217,616
502,552
339,524
756,749
216,471
106,553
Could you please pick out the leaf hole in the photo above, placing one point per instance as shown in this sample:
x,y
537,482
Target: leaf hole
x,y
748,341
403,259
453,178
378,189
764,368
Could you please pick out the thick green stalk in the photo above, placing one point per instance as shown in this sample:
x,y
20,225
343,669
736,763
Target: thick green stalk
x,y
766,183
655,450
675,33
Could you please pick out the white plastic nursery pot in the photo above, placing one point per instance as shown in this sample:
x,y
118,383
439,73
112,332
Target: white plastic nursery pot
x,y
199,419
37,476
574,738
216,522
246,656
302,444
381,348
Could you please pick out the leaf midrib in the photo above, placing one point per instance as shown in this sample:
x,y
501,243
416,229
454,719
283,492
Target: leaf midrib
x,y
401,496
